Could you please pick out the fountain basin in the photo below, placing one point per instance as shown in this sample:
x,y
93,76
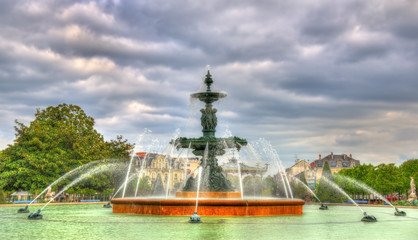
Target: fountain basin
x,y
208,207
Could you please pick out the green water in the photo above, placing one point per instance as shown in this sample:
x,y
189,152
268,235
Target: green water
x,y
95,222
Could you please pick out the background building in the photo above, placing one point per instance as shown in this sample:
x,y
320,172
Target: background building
x,y
336,163
313,170
303,167
153,164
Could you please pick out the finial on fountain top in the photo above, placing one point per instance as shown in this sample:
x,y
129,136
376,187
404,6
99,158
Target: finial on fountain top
x,y
208,81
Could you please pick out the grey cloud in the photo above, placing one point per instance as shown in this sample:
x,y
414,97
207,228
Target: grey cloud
x,y
295,70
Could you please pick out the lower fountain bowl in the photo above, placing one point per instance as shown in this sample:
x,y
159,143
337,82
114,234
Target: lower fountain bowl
x,y
208,207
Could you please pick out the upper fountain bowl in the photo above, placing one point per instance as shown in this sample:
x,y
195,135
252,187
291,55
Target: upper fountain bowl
x,y
208,97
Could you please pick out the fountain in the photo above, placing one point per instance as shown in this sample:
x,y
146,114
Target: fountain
x,y
216,191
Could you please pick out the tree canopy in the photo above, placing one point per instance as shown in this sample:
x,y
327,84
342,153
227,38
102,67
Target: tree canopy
x,y
385,178
59,139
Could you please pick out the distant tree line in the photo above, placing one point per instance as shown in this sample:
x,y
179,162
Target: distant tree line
x,y
387,179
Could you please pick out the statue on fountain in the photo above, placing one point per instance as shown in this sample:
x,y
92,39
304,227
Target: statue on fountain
x,y
213,177
413,195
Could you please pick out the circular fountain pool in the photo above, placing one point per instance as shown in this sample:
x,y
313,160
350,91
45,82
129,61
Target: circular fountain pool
x,y
95,222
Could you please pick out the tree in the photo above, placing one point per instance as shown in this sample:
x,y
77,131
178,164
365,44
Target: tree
x,y
324,190
408,169
2,199
388,179
364,173
59,139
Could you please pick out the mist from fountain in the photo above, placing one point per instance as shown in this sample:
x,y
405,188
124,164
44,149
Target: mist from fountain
x,y
364,187
143,164
335,186
279,161
90,173
140,173
185,162
68,174
272,154
306,186
123,184
130,163
369,190
238,169
170,171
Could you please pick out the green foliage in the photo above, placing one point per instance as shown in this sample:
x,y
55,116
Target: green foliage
x,y
409,169
384,178
58,140
388,177
2,198
324,191
362,173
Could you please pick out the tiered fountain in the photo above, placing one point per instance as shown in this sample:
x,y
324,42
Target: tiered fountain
x,y
216,194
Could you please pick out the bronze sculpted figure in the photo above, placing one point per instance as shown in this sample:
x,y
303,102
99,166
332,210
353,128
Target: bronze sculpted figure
x,y
209,119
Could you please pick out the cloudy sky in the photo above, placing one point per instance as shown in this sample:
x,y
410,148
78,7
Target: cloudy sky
x,y
309,76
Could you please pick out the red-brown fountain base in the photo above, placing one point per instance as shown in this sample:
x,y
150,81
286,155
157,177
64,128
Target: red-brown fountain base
x,y
208,207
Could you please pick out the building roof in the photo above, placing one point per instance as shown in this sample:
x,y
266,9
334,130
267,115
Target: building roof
x,y
333,160
149,157
21,193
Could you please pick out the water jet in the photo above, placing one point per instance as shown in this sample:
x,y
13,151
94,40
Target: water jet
x,y
374,192
366,218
